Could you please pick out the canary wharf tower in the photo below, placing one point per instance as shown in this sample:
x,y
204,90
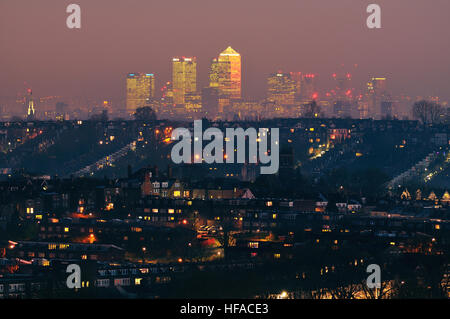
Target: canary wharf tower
x,y
228,77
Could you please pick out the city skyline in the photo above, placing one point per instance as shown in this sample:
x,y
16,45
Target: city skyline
x,y
221,97
398,51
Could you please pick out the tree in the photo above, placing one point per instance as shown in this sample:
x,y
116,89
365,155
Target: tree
x,y
427,112
311,110
145,113
102,117
386,290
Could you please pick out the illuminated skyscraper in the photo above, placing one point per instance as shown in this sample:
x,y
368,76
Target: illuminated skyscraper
x,y
297,78
225,74
343,90
220,75
376,94
140,89
31,110
281,89
308,87
377,85
167,94
184,78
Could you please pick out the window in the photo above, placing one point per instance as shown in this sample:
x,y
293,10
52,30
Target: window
x,y
102,283
16,287
122,282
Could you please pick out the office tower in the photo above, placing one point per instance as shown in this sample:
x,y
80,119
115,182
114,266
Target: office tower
x,y
297,78
193,103
220,75
362,111
343,90
308,87
342,109
387,109
184,78
376,94
31,109
140,89
225,73
281,89
210,101
167,94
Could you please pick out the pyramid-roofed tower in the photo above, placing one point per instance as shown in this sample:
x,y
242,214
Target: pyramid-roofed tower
x,y
229,52
231,75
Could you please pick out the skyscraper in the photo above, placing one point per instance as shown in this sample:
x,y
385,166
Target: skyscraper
x,y
225,74
184,78
343,90
376,94
281,88
31,110
220,75
210,101
308,87
297,78
140,89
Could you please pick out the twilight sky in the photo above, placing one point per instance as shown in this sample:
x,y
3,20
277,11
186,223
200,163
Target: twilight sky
x,y
120,36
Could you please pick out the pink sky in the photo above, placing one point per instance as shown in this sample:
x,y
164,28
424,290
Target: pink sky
x,y
412,49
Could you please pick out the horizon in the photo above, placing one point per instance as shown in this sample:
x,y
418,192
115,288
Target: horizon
x,y
42,54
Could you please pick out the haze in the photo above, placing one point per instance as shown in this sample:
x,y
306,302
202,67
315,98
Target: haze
x,y
412,49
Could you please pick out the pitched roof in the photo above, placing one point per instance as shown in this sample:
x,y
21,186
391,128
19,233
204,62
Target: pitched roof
x,y
229,51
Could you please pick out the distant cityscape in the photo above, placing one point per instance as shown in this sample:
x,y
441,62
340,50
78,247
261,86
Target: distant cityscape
x,y
288,95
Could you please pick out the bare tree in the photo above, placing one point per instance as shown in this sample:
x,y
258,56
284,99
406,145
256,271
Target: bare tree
x,y
312,109
344,292
386,290
428,112
145,113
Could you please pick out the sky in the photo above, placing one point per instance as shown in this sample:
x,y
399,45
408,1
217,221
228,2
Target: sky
x,y
122,36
